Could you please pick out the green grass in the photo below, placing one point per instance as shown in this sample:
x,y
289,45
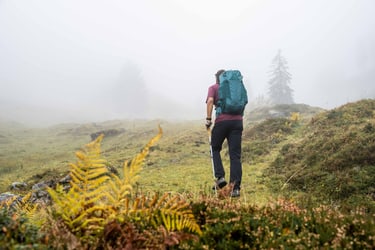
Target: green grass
x,y
332,158
180,162
32,151
279,156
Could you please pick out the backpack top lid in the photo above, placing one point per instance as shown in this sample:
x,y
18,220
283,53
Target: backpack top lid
x,y
230,75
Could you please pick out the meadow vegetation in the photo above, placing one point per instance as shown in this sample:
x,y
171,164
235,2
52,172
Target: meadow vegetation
x,y
331,160
308,179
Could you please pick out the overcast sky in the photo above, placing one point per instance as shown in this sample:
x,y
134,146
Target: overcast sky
x,y
73,60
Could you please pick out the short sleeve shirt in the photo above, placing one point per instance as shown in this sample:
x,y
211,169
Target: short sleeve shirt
x,y
213,91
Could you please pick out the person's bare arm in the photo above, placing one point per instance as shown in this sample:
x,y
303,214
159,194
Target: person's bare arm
x,y
210,105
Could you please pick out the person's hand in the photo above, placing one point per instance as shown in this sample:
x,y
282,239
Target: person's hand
x,y
208,123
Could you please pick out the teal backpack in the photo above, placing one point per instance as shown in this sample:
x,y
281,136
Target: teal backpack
x,y
232,94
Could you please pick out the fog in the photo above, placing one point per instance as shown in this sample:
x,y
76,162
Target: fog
x,y
88,61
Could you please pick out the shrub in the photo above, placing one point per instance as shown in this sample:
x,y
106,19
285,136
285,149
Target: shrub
x,y
282,225
17,232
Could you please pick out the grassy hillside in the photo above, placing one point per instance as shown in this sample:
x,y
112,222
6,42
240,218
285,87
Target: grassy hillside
x,y
331,159
323,155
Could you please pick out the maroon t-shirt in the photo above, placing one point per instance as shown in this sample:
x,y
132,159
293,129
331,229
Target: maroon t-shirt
x,y
213,91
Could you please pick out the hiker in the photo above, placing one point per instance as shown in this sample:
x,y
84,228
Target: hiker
x,y
227,126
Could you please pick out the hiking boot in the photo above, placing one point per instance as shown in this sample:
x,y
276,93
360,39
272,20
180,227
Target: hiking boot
x,y
235,193
219,183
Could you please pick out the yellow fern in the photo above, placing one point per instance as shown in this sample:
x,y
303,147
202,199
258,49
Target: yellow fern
x,y
294,117
32,211
131,172
122,188
174,214
82,207
171,212
97,197
8,202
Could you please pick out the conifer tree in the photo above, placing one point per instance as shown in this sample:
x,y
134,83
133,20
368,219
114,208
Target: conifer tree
x,y
279,90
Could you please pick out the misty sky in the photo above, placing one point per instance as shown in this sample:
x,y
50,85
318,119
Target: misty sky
x,y
76,60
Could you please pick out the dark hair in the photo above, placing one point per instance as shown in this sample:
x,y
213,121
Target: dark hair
x,y
218,73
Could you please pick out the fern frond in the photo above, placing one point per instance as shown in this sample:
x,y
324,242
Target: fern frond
x,y
176,215
8,202
136,164
29,210
97,197
121,189
173,213
83,206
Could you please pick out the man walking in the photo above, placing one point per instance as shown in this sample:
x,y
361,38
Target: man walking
x,y
228,125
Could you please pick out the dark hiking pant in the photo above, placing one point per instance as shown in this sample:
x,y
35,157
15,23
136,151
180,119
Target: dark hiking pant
x,y
232,131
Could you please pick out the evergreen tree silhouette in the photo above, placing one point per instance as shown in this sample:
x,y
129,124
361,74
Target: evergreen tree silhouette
x,y
279,90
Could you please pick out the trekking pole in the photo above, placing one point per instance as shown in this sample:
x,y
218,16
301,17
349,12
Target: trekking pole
x,y
212,159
